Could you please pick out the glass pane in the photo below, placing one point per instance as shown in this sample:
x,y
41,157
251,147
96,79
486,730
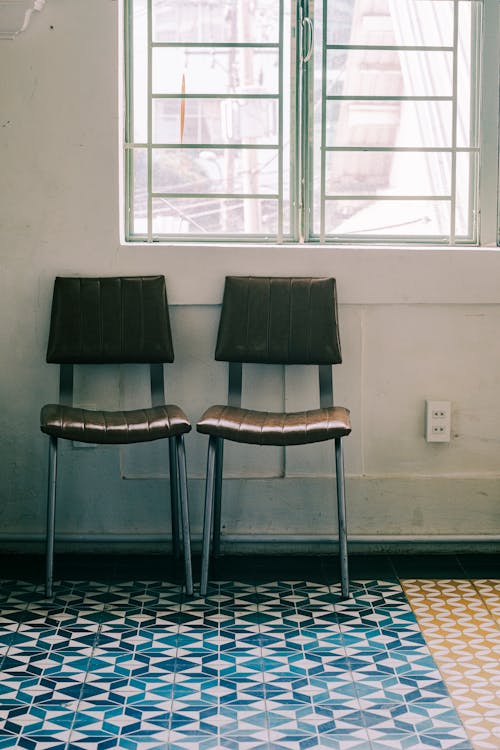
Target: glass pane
x,y
389,73
212,85
139,72
139,179
216,121
215,171
375,123
340,15
216,21
212,216
388,173
386,218
465,196
395,22
467,79
215,71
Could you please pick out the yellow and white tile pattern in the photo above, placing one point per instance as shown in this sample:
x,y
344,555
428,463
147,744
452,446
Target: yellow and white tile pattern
x,y
460,621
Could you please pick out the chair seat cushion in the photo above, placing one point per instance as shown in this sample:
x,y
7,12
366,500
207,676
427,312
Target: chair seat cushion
x,y
113,427
275,428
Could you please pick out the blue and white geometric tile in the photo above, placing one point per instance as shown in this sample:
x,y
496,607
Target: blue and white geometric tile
x,y
285,664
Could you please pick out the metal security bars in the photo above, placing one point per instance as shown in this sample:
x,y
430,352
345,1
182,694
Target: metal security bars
x,y
399,140
207,154
304,121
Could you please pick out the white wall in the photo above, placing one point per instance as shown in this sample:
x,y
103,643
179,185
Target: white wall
x,y
416,324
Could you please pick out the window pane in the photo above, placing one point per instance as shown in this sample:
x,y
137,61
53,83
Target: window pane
x,y
386,218
401,22
216,121
208,217
215,71
138,179
215,171
467,127
466,210
375,73
379,123
139,73
386,173
215,79
215,21
395,121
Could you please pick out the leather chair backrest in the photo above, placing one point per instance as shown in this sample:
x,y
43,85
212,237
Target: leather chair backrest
x,y
110,320
281,320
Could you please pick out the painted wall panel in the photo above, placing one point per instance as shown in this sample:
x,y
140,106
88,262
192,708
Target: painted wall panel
x,y
431,352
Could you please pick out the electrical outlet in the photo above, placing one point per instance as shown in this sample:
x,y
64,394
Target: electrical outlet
x,y
438,421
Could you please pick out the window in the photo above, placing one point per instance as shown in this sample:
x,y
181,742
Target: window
x,y
308,121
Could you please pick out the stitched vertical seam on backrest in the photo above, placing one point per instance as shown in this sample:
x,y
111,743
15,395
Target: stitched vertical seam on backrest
x,y
310,317
141,295
122,325
269,343
247,317
100,319
289,283
80,325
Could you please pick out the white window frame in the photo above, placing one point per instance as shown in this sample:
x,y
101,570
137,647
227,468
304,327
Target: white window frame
x,y
488,169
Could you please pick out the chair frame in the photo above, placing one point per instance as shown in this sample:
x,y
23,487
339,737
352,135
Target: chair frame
x,y
178,479
213,486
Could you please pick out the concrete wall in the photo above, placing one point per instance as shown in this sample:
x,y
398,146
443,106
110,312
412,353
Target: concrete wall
x,y
416,324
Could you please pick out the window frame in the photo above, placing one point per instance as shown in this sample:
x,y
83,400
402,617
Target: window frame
x,y
488,180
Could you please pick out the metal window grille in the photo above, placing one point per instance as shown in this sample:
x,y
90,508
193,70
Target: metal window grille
x,y
310,121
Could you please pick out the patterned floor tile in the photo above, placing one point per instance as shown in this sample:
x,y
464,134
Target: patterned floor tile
x,y
33,743
282,664
459,620
489,591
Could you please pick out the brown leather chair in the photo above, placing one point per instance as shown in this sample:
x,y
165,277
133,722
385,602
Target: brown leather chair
x,y
274,321
114,321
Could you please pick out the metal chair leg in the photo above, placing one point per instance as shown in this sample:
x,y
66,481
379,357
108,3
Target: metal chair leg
x,y
219,459
341,505
208,514
174,499
186,536
51,515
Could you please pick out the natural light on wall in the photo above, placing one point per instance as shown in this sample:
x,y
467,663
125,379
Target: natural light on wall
x,y
333,120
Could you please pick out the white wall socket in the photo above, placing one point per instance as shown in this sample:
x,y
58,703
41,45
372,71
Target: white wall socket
x,y
437,421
